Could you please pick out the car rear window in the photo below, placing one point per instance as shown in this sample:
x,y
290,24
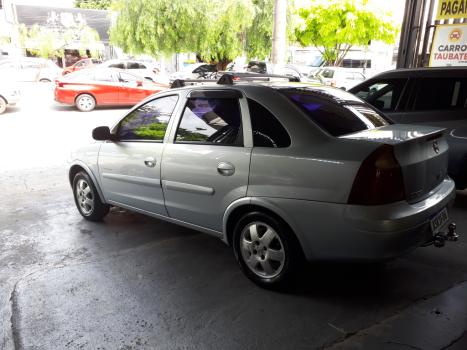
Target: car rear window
x,y
337,118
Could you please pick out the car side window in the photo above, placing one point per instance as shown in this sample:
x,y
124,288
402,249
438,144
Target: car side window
x,y
149,121
383,94
211,121
31,64
135,65
267,130
438,94
117,65
103,75
462,102
125,78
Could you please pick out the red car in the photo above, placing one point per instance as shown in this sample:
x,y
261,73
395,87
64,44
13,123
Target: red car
x,y
84,63
89,88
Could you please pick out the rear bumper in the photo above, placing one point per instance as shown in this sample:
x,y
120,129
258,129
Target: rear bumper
x,y
64,96
329,231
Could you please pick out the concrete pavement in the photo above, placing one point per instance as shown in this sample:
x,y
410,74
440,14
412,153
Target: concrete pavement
x,y
133,282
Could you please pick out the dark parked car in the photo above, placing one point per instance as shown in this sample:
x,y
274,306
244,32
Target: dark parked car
x,y
429,96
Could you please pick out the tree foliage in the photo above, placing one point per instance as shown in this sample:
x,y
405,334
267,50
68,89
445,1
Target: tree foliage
x,y
333,27
93,4
47,42
217,30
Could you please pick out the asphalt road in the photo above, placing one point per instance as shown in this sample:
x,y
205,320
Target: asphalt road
x,y
133,282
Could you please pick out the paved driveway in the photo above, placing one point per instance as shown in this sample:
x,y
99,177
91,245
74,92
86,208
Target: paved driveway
x,y
133,282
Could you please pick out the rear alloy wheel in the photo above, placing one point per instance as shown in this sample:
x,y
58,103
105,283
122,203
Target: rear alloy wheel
x,y
2,105
87,199
85,103
265,249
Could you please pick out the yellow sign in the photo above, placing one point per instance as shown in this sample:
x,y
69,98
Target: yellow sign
x,y
451,9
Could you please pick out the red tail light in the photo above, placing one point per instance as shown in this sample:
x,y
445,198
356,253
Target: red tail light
x,y
379,179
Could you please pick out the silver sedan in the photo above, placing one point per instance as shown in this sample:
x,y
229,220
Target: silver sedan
x,y
283,172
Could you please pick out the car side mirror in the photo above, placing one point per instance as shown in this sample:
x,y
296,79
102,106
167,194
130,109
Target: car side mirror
x,y
139,83
102,133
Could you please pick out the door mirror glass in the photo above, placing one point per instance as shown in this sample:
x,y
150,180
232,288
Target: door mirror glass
x,y
102,133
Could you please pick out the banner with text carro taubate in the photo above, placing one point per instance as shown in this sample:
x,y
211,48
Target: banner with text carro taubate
x,y
449,46
451,9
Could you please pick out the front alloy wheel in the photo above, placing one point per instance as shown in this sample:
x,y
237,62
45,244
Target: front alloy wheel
x,y
86,198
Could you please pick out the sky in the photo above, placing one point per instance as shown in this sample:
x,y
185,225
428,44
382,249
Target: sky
x,y
53,3
394,6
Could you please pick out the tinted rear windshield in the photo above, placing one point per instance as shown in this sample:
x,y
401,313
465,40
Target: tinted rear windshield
x,y
337,118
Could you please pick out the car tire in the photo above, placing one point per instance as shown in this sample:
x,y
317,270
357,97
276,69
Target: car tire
x,y
45,80
266,250
87,199
85,102
3,104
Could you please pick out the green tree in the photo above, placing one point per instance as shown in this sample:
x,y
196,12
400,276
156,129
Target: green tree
x,y
47,42
93,4
335,26
217,30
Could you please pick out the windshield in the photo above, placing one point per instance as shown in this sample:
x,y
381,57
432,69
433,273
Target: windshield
x,y
337,117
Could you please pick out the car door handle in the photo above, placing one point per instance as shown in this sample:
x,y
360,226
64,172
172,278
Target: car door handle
x,y
150,162
225,168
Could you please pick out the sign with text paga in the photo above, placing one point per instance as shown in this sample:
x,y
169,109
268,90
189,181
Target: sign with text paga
x,y
451,9
449,46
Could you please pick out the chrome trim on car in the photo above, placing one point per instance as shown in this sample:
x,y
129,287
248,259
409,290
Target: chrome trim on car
x,y
184,187
133,179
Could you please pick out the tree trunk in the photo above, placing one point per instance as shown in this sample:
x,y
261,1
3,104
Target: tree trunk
x,y
279,32
222,64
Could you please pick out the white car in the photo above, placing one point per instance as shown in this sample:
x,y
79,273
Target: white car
x,y
9,95
195,71
146,70
30,69
343,78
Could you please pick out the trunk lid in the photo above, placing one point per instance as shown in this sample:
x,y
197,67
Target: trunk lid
x,y
421,151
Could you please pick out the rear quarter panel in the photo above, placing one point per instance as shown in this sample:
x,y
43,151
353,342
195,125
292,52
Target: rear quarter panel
x,y
315,167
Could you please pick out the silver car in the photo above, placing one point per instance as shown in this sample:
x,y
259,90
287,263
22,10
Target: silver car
x,y
283,172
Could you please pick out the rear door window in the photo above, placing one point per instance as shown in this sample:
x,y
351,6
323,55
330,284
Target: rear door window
x,y
135,65
267,130
211,121
383,94
438,94
104,75
334,118
117,65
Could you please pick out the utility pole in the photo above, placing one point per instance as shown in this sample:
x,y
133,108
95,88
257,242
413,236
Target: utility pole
x,y
279,32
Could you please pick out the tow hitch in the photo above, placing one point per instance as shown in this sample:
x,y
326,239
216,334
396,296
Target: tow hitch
x,y
439,240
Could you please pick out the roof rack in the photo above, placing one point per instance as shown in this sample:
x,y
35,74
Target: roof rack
x,y
184,82
228,78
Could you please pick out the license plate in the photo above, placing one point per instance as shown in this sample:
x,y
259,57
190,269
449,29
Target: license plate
x,y
439,220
